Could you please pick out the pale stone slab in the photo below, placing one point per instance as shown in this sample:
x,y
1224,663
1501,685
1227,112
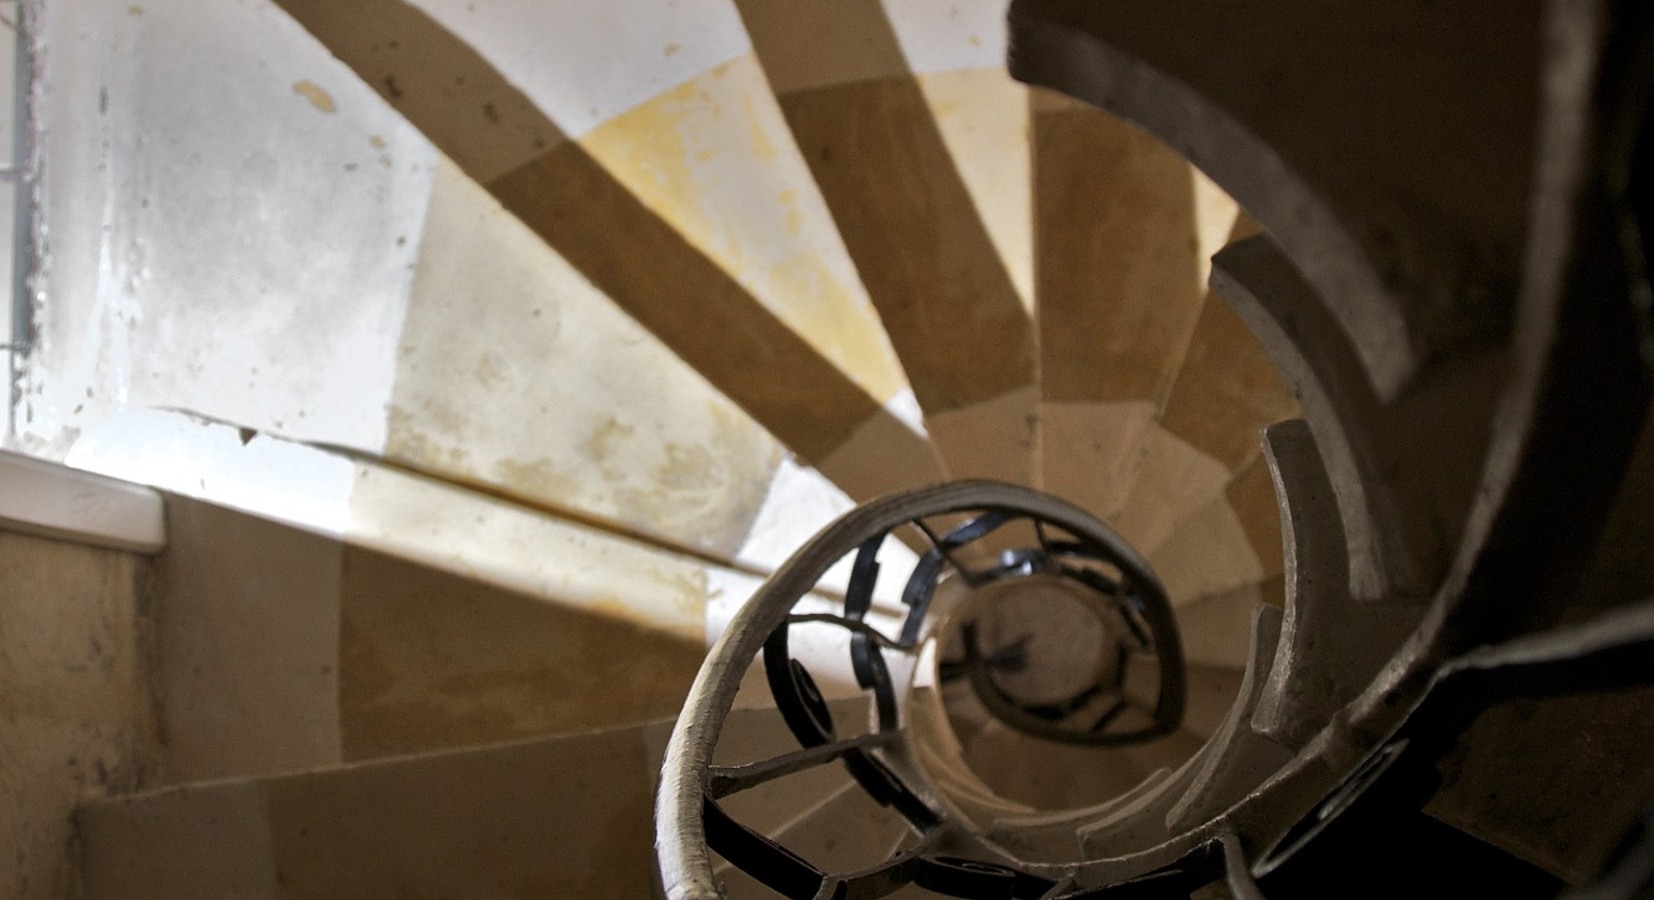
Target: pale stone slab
x,y
939,37
1088,451
403,514
1207,554
983,117
1173,481
993,439
883,455
581,63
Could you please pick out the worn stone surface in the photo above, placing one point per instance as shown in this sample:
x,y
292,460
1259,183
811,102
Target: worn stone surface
x,y
713,158
884,161
1174,481
558,818
247,646
1207,553
1117,265
773,290
1090,452
570,200
516,375
225,201
1227,389
1555,781
945,298
430,660
75,714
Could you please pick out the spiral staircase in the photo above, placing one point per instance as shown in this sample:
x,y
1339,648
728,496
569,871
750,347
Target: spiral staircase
x,y
1218,453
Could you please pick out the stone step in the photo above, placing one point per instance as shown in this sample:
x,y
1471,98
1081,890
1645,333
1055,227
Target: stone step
x,y
562,816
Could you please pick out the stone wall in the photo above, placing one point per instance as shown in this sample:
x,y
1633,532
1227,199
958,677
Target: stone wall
x,y
75,712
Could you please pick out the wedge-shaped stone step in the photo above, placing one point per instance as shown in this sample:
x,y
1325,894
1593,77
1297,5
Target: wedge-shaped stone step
x,y
561,817
921,200
567,816
658,178
395,307
1226,389
1124,228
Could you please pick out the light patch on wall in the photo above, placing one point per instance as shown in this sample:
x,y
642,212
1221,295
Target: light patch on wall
x,y
313,92
1207,554
707,158
1215,214
246,248
958,34
1173,480
1089,452
264,476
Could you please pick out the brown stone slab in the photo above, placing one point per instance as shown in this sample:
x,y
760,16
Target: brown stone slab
x,y
247,645
1227,390
564,818
929,265
812,43
188,843
1116,261
432,660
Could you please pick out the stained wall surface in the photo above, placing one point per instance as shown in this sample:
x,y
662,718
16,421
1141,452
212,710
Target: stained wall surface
x,y
75,719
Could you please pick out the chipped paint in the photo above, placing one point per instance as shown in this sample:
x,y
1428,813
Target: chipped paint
x,y
318,98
